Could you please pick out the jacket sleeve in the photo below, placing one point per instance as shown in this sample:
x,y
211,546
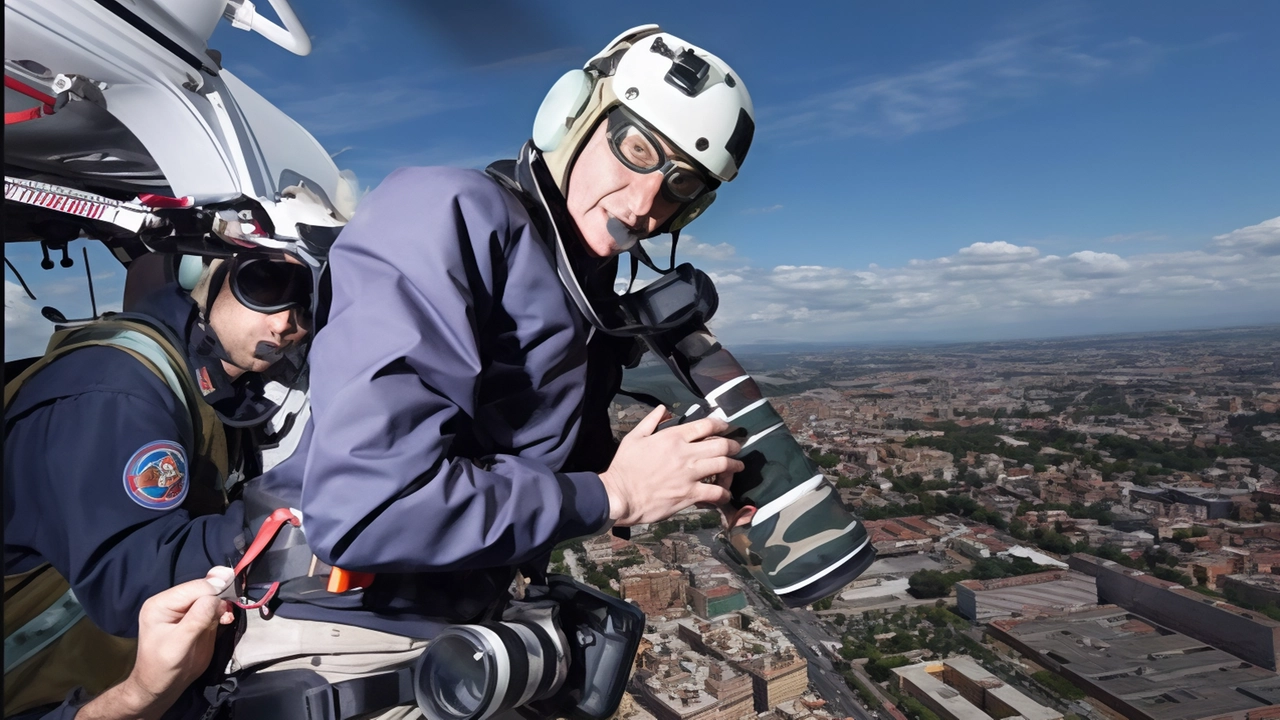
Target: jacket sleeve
x,y
67,499
440,267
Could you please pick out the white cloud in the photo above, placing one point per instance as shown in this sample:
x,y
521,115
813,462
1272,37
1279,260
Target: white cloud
x,y
1088,263
26,332
987,81
997,252
707,251
999,289
1262,239
690,248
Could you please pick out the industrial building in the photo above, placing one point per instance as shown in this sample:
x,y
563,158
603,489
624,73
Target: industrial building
x,y
1212,504
1040,594
1249,635
958,688
1142,670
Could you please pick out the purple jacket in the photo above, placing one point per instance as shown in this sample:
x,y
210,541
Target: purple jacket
x,y
447,392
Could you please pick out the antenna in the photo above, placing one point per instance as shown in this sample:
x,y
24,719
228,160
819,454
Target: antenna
x,y
19,276
93,302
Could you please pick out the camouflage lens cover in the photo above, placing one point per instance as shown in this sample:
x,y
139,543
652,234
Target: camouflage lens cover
x,y
794,546
775,464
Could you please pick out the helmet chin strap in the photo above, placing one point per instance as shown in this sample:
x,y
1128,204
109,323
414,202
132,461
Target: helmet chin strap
x,y
209,344
641,256
532,180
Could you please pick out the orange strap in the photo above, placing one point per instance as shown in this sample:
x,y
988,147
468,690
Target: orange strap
x,y
340,580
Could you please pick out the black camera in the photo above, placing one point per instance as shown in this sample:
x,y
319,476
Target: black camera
x,y
564,650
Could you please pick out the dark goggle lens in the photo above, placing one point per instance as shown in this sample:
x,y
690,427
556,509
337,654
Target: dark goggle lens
x,y
684,184
271,286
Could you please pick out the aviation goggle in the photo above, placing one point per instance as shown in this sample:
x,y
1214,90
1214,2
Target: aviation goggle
x,y
269,285
639,149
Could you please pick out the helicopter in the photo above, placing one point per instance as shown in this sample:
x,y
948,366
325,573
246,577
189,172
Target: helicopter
x,y
122,126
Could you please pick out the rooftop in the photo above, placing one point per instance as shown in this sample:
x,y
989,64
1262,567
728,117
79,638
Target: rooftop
x,y
1159,673
1045,593
926,677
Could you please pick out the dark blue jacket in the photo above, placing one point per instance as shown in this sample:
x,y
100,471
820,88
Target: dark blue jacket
x,y
447,393
69,434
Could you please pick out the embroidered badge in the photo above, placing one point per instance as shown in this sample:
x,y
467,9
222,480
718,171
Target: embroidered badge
x,y
156,476
206,385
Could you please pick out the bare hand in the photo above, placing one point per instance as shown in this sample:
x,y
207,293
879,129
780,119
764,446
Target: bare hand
x,y
176,630
655,475
731,517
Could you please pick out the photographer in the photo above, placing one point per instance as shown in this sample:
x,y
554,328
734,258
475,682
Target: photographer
x,y
460,388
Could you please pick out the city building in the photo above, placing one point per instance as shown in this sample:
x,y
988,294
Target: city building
x,y
958,688
777,678
1257,590
656,590
716,601
673,687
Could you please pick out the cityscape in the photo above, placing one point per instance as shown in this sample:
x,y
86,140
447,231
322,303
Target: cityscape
x,y
1070,528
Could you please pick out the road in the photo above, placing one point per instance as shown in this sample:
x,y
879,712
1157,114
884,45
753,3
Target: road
x,y
805,631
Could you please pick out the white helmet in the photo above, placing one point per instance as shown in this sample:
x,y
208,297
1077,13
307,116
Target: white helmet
x,y
685,94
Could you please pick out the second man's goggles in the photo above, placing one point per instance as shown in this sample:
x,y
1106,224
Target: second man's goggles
x,y
638,148
270,285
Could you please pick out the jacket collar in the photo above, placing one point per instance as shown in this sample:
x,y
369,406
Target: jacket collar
x,y
238,402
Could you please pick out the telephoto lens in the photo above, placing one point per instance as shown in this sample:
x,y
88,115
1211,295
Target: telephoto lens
x,y
802,544
474,672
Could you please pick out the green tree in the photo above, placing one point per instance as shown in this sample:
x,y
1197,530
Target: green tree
x,y
932,583
1058,685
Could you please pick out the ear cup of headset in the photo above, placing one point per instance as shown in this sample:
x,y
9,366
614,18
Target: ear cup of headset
x,y
560,108
189,269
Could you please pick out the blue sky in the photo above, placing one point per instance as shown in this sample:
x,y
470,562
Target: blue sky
x,y
921,171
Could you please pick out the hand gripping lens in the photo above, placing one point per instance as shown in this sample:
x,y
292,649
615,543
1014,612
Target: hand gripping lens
x,y
639,149
269,286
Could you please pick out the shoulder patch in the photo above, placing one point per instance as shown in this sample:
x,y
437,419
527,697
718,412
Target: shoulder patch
x,y
156,475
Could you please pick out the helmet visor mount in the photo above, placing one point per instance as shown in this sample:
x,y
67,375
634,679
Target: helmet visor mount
x,y
639,150
269,286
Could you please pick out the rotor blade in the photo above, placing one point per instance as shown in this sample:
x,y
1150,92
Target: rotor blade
x,y
486,32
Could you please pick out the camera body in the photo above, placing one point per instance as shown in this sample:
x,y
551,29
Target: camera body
x,y
566,649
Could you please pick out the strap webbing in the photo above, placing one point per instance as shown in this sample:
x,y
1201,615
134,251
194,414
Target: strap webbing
x,y
375,692
41,630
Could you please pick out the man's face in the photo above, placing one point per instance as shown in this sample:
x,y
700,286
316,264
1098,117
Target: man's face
x,y
601,187
245,334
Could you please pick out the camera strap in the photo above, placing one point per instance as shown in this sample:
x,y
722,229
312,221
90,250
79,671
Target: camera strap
x,y
305,695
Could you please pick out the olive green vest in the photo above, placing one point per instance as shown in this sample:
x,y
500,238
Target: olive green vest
x,y
50,645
